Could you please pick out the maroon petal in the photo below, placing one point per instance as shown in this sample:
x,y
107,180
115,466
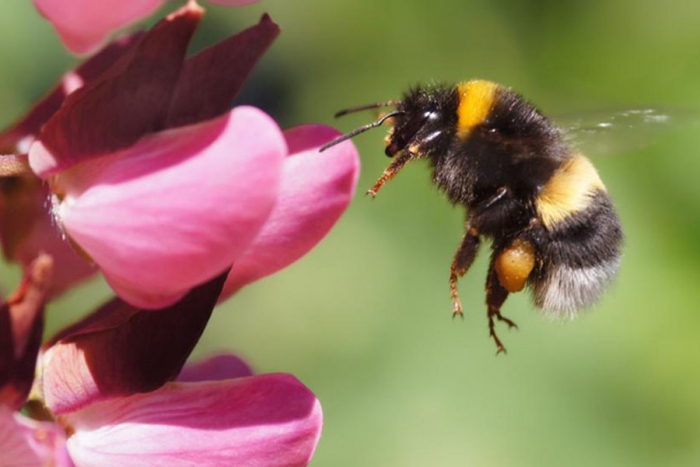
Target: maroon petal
x,y
212,79
17,138
21,326
121,350
22,199
128,101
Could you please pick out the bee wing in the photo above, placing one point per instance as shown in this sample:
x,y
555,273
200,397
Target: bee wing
x,y
606,133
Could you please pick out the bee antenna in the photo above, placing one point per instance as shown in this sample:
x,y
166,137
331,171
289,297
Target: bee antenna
x,y
360,108
362,129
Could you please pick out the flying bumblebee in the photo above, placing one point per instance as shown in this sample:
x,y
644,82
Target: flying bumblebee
x,y
551,221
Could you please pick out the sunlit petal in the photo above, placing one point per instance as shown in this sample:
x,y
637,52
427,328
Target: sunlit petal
x,y
177,208
83,25
316,188
267,420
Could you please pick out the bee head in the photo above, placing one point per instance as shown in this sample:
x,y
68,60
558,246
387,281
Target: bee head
x,y
422,122
421,125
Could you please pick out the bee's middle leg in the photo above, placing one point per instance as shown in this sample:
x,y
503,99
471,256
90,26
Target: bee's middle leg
x,y
463,259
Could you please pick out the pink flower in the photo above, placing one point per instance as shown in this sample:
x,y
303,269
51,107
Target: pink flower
x,y
173,195
162,186
222,418
84,25
267,420
110,385
176,208
107,380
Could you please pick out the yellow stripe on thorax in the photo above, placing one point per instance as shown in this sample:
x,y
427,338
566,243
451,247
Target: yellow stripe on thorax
x,y
569,191
476,98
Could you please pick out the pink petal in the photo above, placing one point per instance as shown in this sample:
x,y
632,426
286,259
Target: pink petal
x,y
120,350
217,368
14,446
316,188
85,24
268,420
177,208
28,443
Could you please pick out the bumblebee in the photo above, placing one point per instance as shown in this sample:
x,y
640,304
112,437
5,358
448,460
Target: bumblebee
x,y
551,221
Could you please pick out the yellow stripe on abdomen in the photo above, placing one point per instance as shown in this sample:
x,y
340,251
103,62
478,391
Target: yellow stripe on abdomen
x,y
570,190
476,98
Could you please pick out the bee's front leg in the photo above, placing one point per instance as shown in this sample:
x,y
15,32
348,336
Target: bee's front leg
x,y
397,163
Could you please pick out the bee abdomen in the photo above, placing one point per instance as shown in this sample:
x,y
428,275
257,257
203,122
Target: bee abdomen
x,y
580,255
565,290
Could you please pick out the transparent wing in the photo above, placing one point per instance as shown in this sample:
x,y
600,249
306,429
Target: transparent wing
x,y
606,133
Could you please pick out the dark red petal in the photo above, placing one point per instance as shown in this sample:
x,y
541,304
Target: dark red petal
x,y
22,204
121,350
21,327
212,79
16,138
128,101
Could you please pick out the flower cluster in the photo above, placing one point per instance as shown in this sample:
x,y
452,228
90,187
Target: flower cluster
x,y
136,166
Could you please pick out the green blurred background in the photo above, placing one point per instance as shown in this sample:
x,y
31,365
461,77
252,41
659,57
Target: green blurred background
x,y
364,320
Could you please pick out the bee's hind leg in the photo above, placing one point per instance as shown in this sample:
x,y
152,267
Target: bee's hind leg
x,y
509,270
496,295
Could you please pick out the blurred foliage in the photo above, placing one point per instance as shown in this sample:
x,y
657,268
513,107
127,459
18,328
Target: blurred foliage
x,y
364,320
